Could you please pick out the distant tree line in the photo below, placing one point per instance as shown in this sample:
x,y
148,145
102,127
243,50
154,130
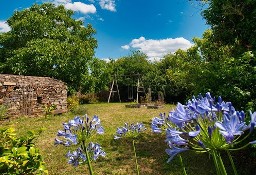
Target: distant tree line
x,y
45,41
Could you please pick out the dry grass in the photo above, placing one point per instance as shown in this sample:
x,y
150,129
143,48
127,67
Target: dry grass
x,y
119,159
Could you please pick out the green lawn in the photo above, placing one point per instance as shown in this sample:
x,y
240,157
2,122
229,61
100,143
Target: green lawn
x,y
119,160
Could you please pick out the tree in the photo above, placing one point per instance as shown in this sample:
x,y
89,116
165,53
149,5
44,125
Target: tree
x,y
180,70
222,73
45,41
136,63
98,78
233,23
128,69
131,67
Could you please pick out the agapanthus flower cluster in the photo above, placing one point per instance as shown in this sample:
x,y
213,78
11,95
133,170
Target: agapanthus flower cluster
x,y
203,125
78,132
132,129
158,123
76,157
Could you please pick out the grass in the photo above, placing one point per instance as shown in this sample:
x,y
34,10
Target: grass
x,y
119,160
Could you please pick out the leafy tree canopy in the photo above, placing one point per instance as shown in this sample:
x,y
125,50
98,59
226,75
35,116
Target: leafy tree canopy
x,y
233,23
46,41
136,63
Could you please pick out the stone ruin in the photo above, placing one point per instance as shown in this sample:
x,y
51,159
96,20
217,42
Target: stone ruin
x,y
29,95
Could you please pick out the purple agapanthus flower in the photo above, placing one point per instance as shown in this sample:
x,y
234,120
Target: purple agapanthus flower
x,y
223,106
174,151
230,127
201,125
157,123
180,115
76,157
77,121
176,140
176,137
201,105
121,131
76,132
194,133
95,125
96,150
132,128
253,117
69,134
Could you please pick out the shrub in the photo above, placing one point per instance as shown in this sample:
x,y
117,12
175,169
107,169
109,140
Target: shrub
x,y
18,155
48,109
79,110
73,102
88,98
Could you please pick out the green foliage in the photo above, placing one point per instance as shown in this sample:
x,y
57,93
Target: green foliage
x,y
98,78
178,70
73,102
88,98
222,73
80,110
18,155
45,41
233,23
128,69
3,112
136,63
48,109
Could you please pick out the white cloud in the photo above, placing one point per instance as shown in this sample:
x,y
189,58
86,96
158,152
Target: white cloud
x,y
80,19
156,49
126,47
76,6
4,27
107,60
81,7
108,5
58,2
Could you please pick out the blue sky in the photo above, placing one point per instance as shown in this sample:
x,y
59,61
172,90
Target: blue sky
x,y
156,27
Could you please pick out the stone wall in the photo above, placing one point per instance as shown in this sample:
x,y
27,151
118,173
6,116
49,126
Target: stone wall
x,y
28,95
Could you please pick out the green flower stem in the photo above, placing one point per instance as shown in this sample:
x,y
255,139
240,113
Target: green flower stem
x,y
216,162
203,129
88,159
183,167
232,162
136,161
243,138
237,149
220,168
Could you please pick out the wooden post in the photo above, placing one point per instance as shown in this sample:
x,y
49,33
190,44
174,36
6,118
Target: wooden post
x,y
114,82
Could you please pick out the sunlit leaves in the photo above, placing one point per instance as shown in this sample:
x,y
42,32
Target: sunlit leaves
x,y
46,41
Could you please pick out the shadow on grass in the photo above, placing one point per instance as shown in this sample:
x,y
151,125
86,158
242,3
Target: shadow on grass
x,y
245,161
152,159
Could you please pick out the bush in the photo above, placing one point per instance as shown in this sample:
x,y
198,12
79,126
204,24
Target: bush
x,y
73,102
18,155
88,98
48,109
79,110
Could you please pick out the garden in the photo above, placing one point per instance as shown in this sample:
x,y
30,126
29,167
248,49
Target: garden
x,y
201,101
135,140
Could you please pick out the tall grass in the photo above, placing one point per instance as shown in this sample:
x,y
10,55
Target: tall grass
x,y
150,147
